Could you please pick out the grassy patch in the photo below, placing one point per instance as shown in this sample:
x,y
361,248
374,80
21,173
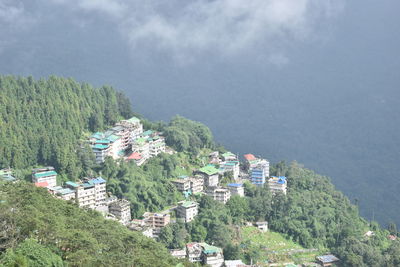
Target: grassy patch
x,y
273,247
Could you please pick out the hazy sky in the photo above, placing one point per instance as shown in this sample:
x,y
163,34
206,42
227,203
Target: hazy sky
x,y
310,80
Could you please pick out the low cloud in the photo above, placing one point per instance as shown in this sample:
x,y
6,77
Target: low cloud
x,y
188,29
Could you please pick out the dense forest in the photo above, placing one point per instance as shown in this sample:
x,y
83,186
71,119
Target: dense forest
x,y
46,121
39,230
42,121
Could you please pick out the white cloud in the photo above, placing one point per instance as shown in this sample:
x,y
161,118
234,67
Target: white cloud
x,y
223,26
186,29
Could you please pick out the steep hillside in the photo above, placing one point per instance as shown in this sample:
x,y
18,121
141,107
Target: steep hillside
x,y
59,232
41,121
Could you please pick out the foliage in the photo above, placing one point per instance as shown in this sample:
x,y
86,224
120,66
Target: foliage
x,y
186,135
80,237
42,121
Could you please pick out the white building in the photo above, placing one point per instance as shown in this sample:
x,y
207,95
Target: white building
x,y
210,175
236,189
278,184
46,177
121,209
187,210
219,194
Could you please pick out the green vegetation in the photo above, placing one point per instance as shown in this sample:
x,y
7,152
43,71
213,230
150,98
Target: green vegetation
x,y
39,230
45,122
273,247
42,121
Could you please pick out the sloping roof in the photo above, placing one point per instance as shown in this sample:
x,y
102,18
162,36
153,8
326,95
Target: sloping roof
x,y
209,170
44,174
250,157
327,258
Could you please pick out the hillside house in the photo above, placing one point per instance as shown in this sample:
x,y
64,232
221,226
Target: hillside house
x,y
187,210
327,260
236,189
46,175
278,184
211,255
219,194
262,226
121,209
210,175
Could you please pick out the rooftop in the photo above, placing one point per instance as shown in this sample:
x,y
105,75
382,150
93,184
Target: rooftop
x,y
113,138
208,249
188,204
98,180
44,174
70,183
209,170
250,157
327,258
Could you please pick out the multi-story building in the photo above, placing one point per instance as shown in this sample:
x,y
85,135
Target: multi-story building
x,y
99,190
84,194
125,135
121,209
212,256
196,184
134,126
156,145
157,220
182,184
231,166
187,210
46,176
236,189
219,194
194,252
259,172
278,184
210,175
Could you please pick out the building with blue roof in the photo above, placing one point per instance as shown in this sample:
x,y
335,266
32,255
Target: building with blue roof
x,y
278,184
236,189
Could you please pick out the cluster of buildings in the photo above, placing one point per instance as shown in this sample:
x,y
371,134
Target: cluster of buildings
x,y
90,193
258,170
202,253
149,144
127,137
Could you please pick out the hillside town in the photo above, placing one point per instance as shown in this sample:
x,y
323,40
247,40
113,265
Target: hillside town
x,y
127,140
